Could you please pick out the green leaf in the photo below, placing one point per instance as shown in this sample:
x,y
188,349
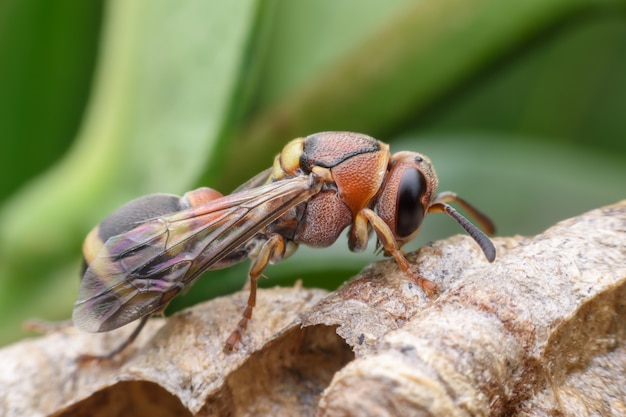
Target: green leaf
x,y
567,87
412,60
166,75
44,78
191,92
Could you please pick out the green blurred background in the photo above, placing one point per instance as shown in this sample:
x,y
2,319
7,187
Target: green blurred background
x,y
520,104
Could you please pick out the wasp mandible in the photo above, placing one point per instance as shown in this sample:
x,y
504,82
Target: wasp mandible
x,y
152,248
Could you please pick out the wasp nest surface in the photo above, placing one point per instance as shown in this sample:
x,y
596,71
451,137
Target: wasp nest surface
x,y
542,331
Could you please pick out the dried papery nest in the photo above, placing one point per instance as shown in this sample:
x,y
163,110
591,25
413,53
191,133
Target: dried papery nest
x,y
542,331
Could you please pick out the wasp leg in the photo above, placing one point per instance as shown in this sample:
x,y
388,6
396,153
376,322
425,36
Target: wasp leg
x,y
121,347
385,236
45,327
272,251
358,234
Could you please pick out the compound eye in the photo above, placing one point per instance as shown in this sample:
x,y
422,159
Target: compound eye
x,y
409,209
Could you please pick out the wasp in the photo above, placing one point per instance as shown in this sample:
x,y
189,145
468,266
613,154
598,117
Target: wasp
x,y
154,247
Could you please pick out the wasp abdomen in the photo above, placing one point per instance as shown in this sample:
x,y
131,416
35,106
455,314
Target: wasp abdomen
x,y
126,218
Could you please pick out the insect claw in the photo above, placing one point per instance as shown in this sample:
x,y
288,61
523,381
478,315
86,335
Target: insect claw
x,y
232,340
86,358
429,287
45,327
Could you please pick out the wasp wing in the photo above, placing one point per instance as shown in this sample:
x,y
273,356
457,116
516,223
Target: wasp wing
x,y
138,272
259,179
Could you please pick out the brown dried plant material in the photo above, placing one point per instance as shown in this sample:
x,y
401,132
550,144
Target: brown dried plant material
x,y
549,317
541,332
177,366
